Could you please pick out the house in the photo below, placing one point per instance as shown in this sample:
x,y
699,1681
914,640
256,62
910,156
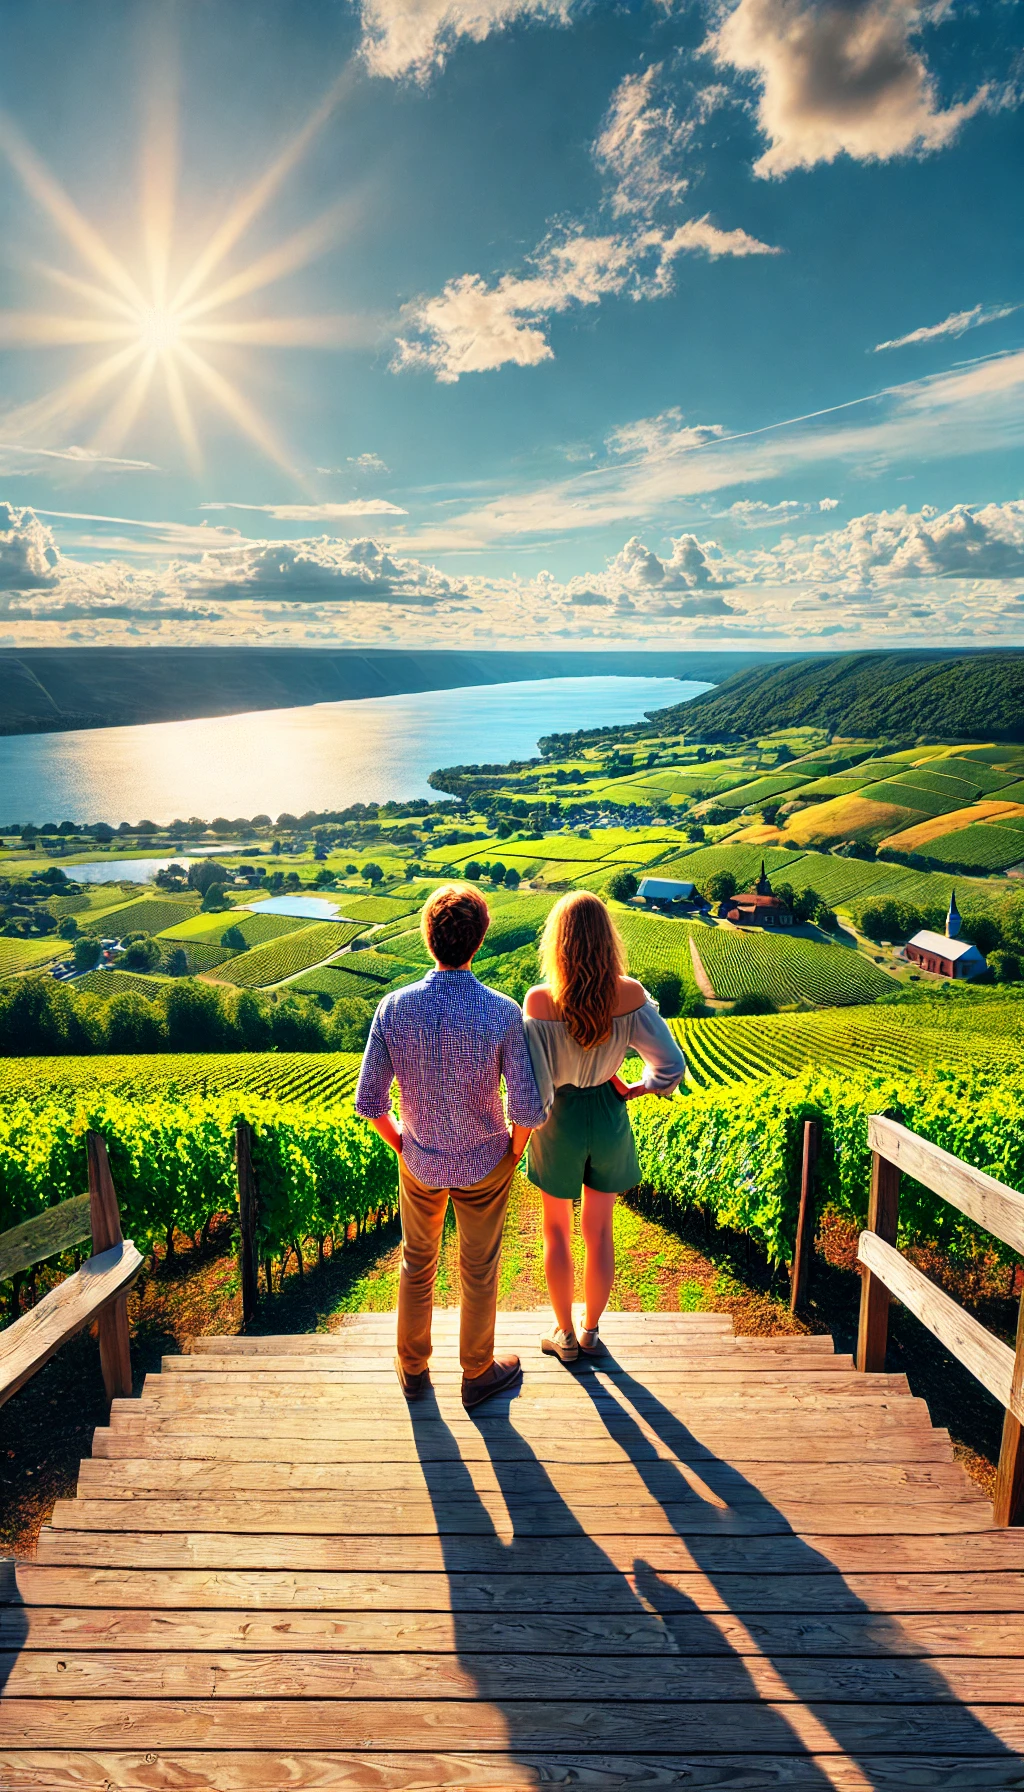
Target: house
x,y
757,907
659,890
944,953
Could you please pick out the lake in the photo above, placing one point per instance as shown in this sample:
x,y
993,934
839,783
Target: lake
x,y
324,756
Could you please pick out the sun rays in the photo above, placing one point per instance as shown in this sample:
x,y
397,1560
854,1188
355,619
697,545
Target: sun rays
x,y
156,324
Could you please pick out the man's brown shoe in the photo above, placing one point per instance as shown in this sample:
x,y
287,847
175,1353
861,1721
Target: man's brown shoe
x,y
503,1373
413,1386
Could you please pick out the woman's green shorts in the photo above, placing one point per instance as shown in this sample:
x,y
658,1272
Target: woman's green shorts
x,y
587,1139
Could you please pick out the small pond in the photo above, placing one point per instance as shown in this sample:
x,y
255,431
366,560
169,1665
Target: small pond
x,y
309,908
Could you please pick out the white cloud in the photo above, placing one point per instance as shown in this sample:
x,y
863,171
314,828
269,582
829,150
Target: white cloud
x,y
983,542
754,513
700,236
319,571
954,325
317,513
29,557
414,37
473,328
368,463
838,77
16,457
640,138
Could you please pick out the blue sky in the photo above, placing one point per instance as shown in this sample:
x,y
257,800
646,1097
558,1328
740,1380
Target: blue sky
x,y
512,322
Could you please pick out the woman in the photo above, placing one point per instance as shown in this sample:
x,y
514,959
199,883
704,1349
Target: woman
x,y
580,1026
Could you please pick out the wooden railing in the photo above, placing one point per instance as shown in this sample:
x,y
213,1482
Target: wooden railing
x,y
886,1272
96,1293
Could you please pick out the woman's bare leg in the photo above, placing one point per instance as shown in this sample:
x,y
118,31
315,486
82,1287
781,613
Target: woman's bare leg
x,y
599,1268
558,1264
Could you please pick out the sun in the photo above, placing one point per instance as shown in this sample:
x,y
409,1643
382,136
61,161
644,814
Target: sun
x,y
150,329
159,330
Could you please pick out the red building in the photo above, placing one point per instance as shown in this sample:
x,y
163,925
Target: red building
x,y
757,907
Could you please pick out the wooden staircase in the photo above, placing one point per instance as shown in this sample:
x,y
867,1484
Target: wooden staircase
x,y
704,1561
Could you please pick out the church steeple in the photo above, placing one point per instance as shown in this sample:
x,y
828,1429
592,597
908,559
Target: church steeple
x,y
764,888
953,917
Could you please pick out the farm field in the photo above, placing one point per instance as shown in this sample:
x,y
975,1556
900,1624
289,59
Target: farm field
x,y
265,965
112,982
278,1076
146,914
256,929
746,961
888,1039
655,944
985,846
24,955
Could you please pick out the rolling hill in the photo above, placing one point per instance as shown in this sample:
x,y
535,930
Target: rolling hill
x,y
879,696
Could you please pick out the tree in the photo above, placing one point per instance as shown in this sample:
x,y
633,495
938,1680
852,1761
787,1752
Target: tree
x,y
1005,966
234,938
497,873
196,1021
214,899
473,871
721,886
622,886
142,955
770,814
667,990
204,873
984,932
87,953
132,1025
512,879
755,1002
177,963
68,928
373,874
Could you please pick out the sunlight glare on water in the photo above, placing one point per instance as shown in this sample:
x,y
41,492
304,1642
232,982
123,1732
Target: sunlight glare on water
x,y
324,756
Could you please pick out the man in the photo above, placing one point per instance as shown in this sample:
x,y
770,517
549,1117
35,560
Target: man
x,y
449,1040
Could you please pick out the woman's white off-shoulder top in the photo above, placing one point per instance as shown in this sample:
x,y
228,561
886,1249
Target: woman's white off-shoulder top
x,y
558,1059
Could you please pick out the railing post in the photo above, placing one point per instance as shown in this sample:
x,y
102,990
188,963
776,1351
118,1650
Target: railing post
x,y
800,1274
248,1208
883,1218
1008,1499
112,1320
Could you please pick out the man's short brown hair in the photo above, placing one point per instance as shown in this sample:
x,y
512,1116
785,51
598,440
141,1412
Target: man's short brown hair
x,y
453,923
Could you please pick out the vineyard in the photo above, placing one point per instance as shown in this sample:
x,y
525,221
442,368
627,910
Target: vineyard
x,y
734,1152
147,914
22,955
655,945
255,929
985,846
787,970
328,1077
112,982
283,957
726,1049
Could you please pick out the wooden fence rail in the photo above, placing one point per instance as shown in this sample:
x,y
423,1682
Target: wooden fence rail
x,y
1000,1210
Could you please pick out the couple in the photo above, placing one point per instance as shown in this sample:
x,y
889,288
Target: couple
x,y
448,1041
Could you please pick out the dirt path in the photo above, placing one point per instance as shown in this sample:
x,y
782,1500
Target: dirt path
x,y
703,981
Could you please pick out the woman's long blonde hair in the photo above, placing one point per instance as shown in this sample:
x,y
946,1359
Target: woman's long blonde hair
x,y
582,958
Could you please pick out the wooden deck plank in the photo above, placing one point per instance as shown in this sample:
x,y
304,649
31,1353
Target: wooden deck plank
x,y
483,1515
859,1634
816,1445
731,1552
736,1480
213,1770
502,1678
585,1726
296,1590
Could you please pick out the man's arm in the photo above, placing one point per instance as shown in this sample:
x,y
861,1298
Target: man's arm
x,y
525,1108
373,1092
384,1124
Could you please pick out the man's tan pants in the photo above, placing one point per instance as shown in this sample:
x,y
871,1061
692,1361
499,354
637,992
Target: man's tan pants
x,y
480,1216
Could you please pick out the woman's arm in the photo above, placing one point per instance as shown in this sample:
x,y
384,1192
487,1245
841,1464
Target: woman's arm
x,y
665,1066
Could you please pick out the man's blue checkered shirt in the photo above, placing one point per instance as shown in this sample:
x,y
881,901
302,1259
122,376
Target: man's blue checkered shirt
x,y
449,1040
